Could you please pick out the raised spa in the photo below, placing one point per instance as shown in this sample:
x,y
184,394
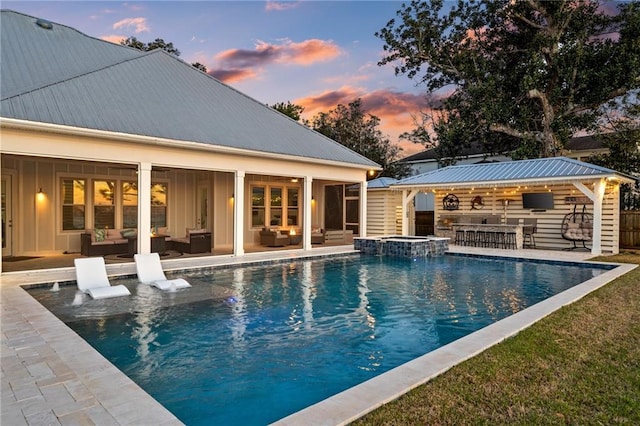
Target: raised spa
x,y
402,246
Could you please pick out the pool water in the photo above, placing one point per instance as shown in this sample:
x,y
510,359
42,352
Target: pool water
x,y
283,337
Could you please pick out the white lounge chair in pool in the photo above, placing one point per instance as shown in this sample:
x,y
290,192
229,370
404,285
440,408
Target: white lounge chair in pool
x,y
150,272
91,277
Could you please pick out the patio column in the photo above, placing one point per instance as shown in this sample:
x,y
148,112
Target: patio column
x,y
306,211
238,214
144,207
363,208
597,195
598,190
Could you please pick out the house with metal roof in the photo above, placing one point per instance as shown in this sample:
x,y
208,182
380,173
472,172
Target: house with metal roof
x,y
97,135
551,191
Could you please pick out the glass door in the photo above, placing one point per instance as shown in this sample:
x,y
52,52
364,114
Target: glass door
x,y
7,217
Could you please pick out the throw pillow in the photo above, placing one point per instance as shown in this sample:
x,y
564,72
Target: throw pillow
x,y
101,234
126,233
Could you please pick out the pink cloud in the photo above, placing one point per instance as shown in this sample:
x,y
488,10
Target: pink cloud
x,y
138,24
232,75
113,38
304,53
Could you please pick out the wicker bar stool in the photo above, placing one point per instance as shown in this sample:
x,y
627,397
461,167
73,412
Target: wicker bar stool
x,y
459,241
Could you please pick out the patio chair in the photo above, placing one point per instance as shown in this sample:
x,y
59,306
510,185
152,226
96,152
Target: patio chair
x,y
91,277
149,270
273,238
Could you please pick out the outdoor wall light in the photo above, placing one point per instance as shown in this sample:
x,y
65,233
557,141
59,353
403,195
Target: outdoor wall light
x,y
40,195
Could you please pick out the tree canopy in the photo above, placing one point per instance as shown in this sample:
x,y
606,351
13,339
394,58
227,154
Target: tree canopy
x,y
158,44
350,126
287,108
531,72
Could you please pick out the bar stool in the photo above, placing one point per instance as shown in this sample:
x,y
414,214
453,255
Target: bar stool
x,y
509,240
493,239
459,241
481,238
469,238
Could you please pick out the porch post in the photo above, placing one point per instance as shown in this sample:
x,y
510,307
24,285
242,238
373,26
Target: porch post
x,y
144,207
596,196
306,220
405,219
363,208
238,214
598,191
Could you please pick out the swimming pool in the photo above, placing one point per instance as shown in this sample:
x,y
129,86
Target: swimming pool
x,y
252,345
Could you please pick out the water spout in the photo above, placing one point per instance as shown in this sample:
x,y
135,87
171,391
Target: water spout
x,y
172,288
78,299
56,287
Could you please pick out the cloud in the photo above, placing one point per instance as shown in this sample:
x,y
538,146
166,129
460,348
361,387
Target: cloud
x,y
280,5
139,24
304,53
231,75
113,38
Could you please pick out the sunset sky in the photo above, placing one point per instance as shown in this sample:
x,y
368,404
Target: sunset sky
x,y
313,53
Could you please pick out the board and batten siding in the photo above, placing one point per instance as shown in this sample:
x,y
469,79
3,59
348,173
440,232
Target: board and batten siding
x,y
381,211
549,223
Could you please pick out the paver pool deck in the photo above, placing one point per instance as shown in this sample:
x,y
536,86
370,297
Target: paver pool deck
x,y
51,376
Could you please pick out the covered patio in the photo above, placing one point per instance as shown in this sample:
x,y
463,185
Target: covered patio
x,y
571,204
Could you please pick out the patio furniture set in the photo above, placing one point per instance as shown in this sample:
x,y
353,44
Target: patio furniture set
x,y
276,237
100,242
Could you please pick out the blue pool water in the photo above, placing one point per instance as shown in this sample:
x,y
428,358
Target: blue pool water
x,y
286,336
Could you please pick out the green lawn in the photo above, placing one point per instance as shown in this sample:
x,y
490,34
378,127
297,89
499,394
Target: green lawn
x,y
578,366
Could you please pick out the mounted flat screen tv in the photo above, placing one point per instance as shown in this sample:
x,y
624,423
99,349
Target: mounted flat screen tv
x,y
537,200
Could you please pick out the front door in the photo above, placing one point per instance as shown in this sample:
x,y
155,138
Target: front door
x,y
203,207
7,217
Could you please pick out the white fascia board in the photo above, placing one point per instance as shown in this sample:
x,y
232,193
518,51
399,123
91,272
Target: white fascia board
x,y
13,123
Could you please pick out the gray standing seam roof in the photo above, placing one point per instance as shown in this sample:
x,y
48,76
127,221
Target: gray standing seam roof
x,y
61,76
509,171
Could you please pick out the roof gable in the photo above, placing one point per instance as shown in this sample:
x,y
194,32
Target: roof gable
x,y
154,94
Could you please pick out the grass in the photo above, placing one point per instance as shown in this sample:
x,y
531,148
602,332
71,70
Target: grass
x,y
579,366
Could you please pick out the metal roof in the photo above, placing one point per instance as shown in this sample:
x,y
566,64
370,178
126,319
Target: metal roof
x,y
383,182
61,76
510,172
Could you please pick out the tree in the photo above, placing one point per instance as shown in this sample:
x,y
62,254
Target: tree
x,y
531,71
353,128
199,66
621,136
156,44
292,110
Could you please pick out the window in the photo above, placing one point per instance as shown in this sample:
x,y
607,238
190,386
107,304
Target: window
x,y
104,204
129,204
275,210
73,204
292,206
257,206
158,204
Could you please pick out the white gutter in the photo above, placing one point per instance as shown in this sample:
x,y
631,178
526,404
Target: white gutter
x,y
13,123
